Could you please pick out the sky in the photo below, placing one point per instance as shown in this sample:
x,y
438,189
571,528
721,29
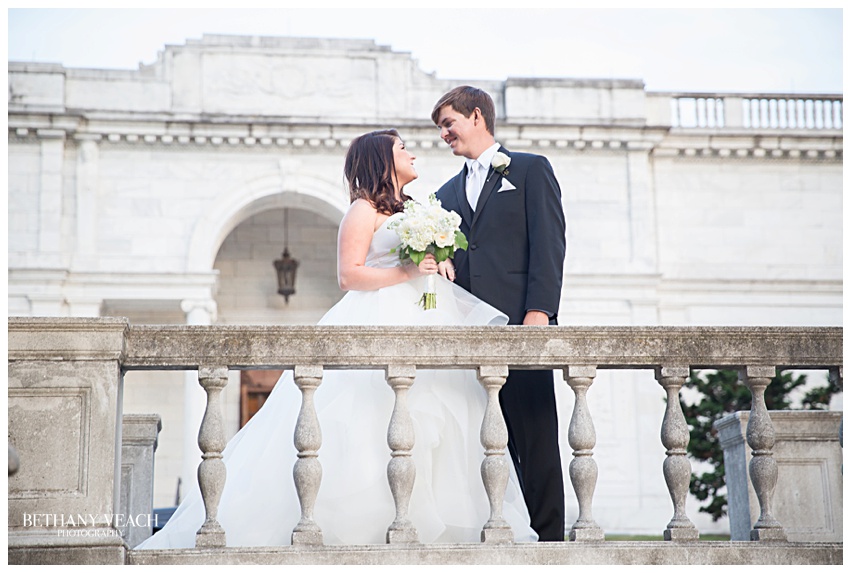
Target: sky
x,y
756,50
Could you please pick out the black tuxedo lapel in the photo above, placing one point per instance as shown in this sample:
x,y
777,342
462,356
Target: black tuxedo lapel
x,y
461,195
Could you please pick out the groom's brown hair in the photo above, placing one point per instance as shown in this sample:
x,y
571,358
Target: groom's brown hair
x,y
464,99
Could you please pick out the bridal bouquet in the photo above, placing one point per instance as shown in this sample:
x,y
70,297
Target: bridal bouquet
x,y
428,228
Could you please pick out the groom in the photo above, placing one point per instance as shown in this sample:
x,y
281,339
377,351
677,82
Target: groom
x,y
510,205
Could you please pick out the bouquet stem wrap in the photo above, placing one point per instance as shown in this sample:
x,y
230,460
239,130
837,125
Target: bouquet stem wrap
x,y
429,299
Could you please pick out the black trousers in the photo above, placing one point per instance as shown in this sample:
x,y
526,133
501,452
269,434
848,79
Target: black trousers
x,y
528,404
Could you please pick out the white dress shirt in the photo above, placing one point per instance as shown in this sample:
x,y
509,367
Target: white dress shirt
x,y
477,171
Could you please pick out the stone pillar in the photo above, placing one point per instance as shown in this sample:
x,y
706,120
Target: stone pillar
x,y
138,444
84,306
65,392
763,466
50,197
201,312
734,112
583,469
643,254
676,468
88,159
494,436
401,472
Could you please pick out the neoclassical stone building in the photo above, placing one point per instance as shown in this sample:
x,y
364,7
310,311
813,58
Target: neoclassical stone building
x,y
164,195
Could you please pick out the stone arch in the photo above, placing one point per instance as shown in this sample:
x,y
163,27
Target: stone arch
x,y
264,193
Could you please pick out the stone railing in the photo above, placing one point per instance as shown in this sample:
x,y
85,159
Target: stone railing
x,y
747,111
72,368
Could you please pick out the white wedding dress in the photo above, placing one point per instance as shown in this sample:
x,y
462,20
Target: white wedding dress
x,y
259,506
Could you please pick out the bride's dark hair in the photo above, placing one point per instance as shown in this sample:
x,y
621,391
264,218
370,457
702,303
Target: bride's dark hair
x,y
370,170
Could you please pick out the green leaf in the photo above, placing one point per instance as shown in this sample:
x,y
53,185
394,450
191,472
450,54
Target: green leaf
x,y
460,241
443,253
417,257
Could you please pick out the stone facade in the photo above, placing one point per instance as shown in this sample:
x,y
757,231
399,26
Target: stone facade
x,y
158,194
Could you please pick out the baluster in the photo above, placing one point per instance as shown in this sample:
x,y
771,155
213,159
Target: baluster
x,y
763,466
211,470
583,468
307,471
401,472
676,467
675,112
701,112
494,437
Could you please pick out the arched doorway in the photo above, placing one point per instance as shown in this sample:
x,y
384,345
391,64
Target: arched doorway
x,y
247,290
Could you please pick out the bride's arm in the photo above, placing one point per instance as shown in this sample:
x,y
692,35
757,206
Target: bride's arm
x,y
353,242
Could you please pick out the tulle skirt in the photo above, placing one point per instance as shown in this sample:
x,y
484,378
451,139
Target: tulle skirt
x,y
259,505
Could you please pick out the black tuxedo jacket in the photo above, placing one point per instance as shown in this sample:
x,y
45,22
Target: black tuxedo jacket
x,y
515,257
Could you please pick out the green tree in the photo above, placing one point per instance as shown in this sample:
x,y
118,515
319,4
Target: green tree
x,y
722,393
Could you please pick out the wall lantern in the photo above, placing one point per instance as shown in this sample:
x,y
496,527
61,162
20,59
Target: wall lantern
x,y
286,266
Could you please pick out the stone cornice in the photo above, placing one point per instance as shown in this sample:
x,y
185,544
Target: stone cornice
x,y
258,133
99,339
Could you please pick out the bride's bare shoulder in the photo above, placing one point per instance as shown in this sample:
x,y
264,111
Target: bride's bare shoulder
x,y
363,213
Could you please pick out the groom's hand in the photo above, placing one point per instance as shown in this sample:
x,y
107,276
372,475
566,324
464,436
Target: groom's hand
x,y
536,318
446,269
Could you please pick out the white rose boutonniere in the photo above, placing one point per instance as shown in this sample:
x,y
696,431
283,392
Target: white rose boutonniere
x,y
500,163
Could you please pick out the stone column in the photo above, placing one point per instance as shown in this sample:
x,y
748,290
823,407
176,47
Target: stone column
x,y
50,197
763,466
583,469
88,160
734,113
401,472
494,436
307,471
676,468
642,213
201,312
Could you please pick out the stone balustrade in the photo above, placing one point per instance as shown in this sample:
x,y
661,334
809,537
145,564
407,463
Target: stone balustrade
x,y
751,111
78,364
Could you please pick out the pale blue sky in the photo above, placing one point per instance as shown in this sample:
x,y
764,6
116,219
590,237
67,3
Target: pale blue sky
x,y
740,50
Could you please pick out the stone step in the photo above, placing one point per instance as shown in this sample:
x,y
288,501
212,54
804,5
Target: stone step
x,y
596,553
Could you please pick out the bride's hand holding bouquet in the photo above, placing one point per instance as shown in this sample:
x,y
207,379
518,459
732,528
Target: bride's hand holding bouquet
x,y
428,228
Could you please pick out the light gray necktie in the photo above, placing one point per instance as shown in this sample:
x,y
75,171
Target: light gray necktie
x,y
475,183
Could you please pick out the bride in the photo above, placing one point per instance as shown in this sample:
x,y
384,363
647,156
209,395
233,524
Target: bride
x,y
259,505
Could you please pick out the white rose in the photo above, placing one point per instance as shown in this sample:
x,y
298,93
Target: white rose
x,y
500,161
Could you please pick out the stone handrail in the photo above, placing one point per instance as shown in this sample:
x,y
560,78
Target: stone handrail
x,y
37,346
747,111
